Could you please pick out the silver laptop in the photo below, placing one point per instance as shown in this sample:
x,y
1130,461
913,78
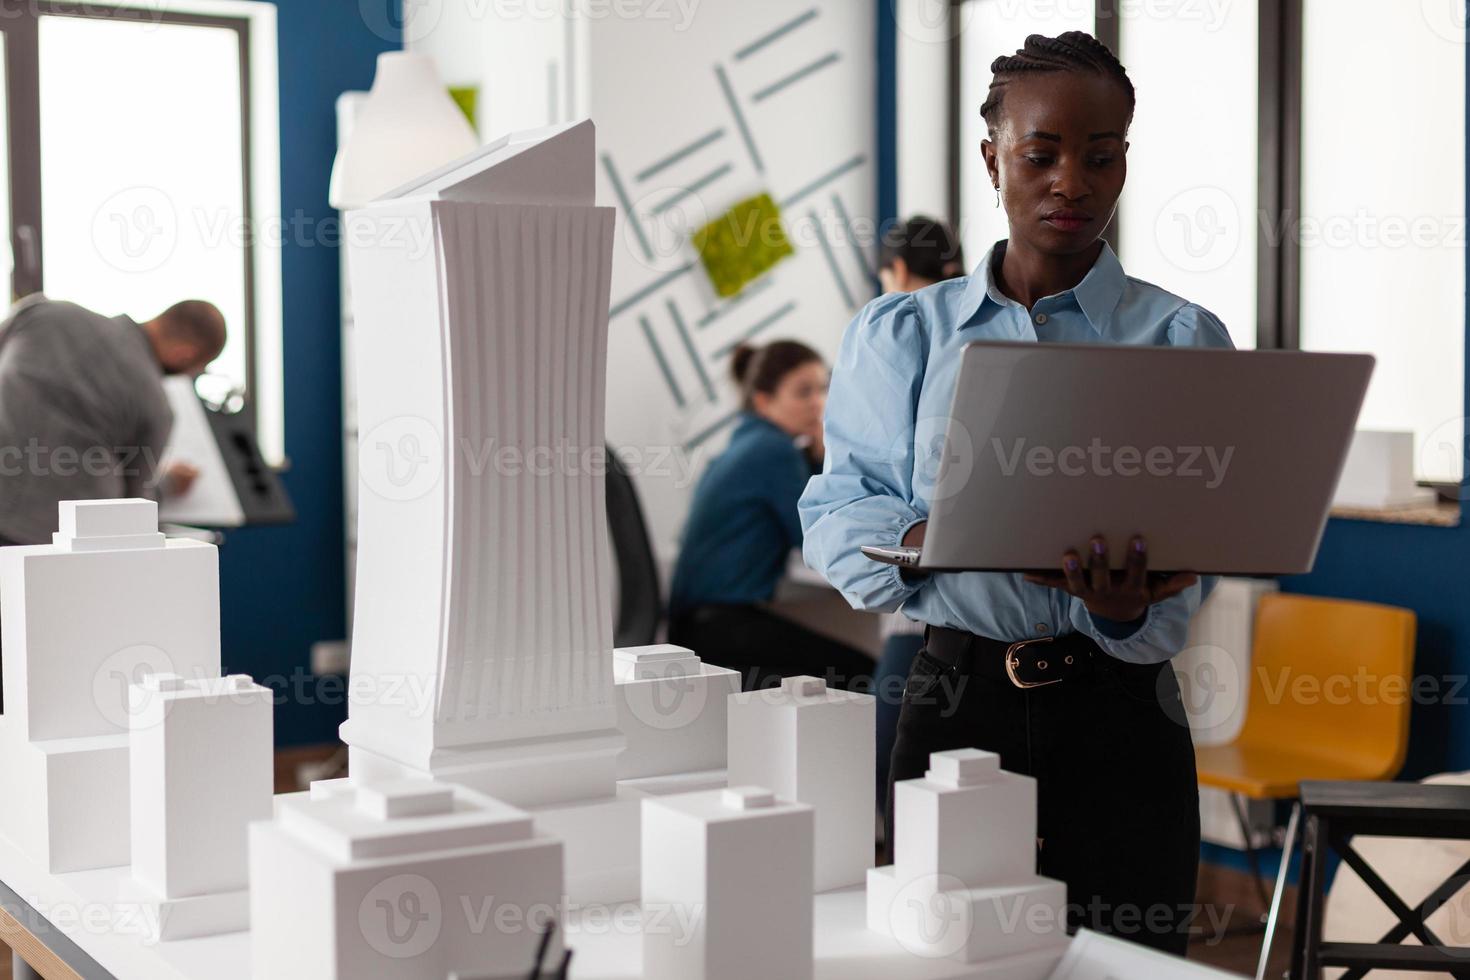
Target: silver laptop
x,y
1225,461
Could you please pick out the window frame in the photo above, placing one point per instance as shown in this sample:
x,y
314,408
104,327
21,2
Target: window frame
x,y
19,27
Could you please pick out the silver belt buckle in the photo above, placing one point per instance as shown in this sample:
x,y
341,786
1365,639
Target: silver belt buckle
x,y
1013,660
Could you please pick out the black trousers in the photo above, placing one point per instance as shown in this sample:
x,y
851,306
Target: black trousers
x,y
1110,749
765,647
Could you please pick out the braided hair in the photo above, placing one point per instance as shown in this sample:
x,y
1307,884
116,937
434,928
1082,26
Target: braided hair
x,y
1075,51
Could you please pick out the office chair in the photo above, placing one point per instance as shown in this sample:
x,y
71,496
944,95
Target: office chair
x,y
639,607
1304,719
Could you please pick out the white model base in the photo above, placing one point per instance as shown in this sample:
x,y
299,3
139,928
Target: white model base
x,y
75,792
968,924
169,919
607,940
1094,956
601,836
522,773
608,946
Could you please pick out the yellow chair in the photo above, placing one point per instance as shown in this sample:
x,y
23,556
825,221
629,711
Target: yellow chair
x,y
1330,692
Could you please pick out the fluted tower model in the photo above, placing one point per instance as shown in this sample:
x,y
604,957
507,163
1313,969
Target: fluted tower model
x,y
482,634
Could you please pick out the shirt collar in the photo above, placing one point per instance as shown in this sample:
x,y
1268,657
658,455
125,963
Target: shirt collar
x,y
1097,294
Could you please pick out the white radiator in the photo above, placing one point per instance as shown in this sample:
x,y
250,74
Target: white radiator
x,y
1214,678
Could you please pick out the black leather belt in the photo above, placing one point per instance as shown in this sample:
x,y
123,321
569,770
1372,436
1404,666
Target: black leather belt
x,y
1025,663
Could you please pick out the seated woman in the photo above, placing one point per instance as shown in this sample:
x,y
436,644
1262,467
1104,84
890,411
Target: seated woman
x,y
743,526
914,254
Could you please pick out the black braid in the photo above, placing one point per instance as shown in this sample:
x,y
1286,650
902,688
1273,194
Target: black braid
x,y
1071,51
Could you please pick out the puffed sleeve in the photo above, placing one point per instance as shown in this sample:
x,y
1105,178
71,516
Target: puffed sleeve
x,y
863,494
1195,326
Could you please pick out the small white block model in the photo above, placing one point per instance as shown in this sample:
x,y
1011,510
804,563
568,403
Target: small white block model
x,y
108,601
727,886
1379,473
672,709
963,883
814,745
416,880
200,765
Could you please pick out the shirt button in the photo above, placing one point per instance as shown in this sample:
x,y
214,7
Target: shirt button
x,y
1041,627
1040,319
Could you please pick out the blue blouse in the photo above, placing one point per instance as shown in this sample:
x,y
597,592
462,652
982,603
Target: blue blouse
x,y
743,523
891,390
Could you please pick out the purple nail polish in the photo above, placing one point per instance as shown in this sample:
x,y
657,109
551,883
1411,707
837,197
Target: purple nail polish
x,y
1071,564
1098,547
1138,545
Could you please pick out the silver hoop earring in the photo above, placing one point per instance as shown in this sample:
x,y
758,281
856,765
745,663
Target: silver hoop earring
x,y
997,195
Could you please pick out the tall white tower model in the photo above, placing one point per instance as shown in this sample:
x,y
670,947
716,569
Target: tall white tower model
x,y
482,633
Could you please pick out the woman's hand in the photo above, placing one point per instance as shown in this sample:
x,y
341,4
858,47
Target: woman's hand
x,y
1122,596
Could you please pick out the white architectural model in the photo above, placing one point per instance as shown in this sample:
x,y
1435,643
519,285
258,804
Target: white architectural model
x,y
727,886
505,760
483,579
106,602
415,880
815,745
963,883
201,770
672,709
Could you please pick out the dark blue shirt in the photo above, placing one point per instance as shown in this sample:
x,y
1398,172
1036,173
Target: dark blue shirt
x,y
743,523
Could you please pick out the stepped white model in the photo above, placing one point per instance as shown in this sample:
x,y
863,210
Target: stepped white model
x,y
963,884
416,880
672,709
108,601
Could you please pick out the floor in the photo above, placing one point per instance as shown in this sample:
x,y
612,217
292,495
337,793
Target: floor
x,y
1226,897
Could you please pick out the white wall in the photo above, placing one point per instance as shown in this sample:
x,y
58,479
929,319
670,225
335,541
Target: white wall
x,y
652,85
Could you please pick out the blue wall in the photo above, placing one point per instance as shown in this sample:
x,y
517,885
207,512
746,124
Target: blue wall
x,y
282,588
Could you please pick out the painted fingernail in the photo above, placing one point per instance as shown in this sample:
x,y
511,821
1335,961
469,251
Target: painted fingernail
x,y
1138,545
1098,546
1070,563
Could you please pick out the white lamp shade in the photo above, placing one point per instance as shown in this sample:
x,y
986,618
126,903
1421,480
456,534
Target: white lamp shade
x,y
407,126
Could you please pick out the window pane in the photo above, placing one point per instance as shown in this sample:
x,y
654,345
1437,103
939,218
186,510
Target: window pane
x,y
1383,205
141,169
993,28
1187,218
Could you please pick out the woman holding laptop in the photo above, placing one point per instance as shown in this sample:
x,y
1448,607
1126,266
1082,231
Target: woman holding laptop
x,y
1118,816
